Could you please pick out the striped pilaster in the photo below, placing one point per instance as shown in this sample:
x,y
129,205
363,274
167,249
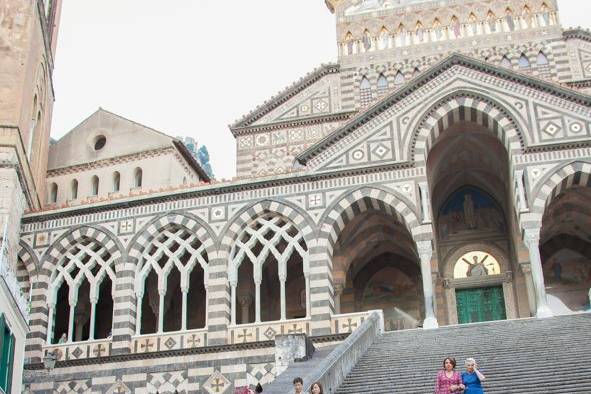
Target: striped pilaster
x,y
124,307
218,300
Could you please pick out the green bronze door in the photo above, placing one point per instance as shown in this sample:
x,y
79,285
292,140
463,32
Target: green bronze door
x,y
481,304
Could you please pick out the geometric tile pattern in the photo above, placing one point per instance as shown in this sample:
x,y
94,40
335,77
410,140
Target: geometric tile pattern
x,y
167,382
260,373
75,386
217,384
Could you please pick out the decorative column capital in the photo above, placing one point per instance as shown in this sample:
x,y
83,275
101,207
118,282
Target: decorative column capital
x,y
425,250
338,288
531,237
525,268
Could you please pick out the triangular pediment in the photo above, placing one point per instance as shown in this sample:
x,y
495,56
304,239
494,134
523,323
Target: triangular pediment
x,y
122,137
386,132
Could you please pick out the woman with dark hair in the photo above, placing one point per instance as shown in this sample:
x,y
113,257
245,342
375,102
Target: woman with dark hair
x,y
316,388
448,380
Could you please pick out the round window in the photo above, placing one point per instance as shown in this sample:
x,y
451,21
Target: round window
x,y
99,142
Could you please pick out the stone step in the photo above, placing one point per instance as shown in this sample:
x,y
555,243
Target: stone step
x,y
532,356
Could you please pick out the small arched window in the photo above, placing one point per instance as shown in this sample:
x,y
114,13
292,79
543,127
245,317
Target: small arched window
x,y
384,39
366,40
116,181
137,177
382,85
509,19
399,80
456,27
492,21
53,193
349,43
74,189
94,185
542,59
505,62
364,92
523,61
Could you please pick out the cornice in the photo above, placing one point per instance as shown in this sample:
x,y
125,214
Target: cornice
x,y
414,84
577,33
284,95
109,161
176,353
293,123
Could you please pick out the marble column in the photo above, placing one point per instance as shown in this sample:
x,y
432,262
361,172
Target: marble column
x,y
50,317
185,292
282,280
257,301
233,285
425,250
338,292
532,241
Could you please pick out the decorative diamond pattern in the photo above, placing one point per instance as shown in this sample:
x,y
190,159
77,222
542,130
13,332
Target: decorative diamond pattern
x,y
217,384
380,150
270,333
552,128
77,352
170,343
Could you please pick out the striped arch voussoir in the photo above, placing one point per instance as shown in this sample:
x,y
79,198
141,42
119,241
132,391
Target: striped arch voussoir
x,y
343,211
570,175
28,258
469,108
60,246
151,230
245,216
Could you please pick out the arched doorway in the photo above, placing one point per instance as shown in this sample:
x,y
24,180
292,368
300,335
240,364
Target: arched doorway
x,y
468,176
565,248
375,266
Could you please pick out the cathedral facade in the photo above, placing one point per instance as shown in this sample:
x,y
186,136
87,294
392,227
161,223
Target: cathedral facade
x,y
438,171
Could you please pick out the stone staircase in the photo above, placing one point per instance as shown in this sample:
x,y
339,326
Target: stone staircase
x,y
532,356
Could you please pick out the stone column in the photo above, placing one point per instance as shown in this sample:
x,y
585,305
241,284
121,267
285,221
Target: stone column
x,y
184,292
161,295
257,300
138,318
50,317
531,300
425,250
425,205
245,308
532,241
338,291
282,280
307,279
93,303
233,295
71,320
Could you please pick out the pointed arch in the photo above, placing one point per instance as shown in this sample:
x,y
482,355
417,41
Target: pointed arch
x,y
566,176
382,85
524,61
353,202
399,79
505,62
456,27
365,97
465,106
542,60
384,38
367,40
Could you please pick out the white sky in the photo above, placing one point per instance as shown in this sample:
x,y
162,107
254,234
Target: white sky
x,y
191,67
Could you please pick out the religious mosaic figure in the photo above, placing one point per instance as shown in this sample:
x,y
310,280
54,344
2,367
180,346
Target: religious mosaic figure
x,y
469,218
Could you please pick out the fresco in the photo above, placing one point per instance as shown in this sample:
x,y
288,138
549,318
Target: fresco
x,y
567,275
469,210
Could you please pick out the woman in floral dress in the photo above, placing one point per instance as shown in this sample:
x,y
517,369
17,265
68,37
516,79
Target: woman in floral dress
x,y
448,380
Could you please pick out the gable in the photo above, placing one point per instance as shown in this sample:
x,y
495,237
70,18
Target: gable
x,y
524,113
122,137
316,94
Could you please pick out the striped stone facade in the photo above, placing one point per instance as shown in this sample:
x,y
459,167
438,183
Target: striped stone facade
x,y
314,159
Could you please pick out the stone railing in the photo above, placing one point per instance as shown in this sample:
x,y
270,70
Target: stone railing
x,y
331,371
80,350
266,331
169,341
